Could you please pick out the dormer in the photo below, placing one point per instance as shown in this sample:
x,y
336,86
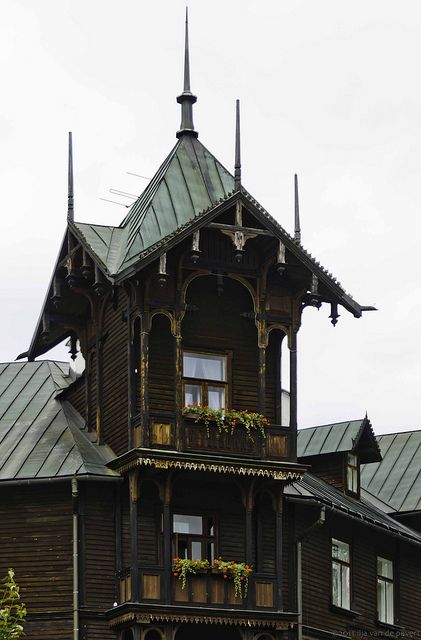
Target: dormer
x,y
335,452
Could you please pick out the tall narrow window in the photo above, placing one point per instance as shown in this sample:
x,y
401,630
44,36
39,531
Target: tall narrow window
x,y
341,574
205,379
385,590
352,473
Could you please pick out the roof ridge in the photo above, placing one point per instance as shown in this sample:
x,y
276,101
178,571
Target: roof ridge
x,y
330,424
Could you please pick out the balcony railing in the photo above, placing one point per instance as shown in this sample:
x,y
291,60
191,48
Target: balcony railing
x,y
206,589
196,437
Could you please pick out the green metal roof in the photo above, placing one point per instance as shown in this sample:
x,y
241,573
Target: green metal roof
x,y
339,437
189,181
312,488
396,480
40,435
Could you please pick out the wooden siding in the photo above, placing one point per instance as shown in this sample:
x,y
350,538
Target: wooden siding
x,y
161,367
115,377
36,540
95,629
365,544
76,395
329,467
99,543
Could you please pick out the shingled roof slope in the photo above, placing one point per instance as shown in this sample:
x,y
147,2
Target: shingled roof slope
x,y
312,488
41,436
396,480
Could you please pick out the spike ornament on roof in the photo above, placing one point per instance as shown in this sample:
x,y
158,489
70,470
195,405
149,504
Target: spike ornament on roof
x,y
70,206
186,99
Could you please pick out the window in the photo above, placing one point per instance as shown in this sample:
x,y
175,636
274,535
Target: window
x,y
341,574
385,590
205,379
194,537
352,473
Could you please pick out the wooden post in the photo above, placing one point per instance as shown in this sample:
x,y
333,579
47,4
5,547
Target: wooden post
x,y
279,551
118,541
179,400
166,521
293,395
262,380
144,379
134,555
130,361
249,507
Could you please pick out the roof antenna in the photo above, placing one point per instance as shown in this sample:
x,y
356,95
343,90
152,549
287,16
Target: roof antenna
x,y
70,209
297,230
237,168
186,99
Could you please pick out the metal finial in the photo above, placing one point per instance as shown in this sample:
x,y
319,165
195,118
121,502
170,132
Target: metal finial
x,y
297,230
237,168
70,209
186,99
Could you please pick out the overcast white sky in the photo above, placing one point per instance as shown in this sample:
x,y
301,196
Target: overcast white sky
x,y
329,89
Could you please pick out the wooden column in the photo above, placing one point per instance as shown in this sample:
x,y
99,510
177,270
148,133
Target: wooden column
x,y
144,379
262,380
118,540
293,394
134,534
166,519
179,400
249,508
279,550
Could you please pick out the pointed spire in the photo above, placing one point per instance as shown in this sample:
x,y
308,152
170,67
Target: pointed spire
x,y
70,210
237,167
297,229
186,99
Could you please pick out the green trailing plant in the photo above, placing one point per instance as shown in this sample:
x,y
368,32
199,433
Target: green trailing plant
x,y
238,572
12,610
228,420
182,567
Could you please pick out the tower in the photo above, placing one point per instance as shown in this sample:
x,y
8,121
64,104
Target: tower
x,y
187,316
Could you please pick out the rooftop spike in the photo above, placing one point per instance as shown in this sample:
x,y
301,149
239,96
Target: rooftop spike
x,y
186,99
70,209
237,168
297,229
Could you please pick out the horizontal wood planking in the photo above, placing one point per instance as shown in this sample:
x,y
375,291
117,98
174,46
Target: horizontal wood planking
x,y
161,366
115,377
99,561
36,540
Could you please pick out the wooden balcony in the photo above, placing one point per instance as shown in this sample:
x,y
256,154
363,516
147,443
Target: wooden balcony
x,y
238,443
204,589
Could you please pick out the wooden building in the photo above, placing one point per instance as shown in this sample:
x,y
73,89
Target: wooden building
x,y
179,440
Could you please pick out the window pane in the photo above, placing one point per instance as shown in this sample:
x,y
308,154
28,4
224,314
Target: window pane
x,y
211,552
381,600
187,524
196,550
384,567
205,366
389,603
192,394
216,397
182,549
340,550
352,459
336,584
345,588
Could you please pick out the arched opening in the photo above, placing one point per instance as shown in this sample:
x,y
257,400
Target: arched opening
x,y
153,634
127,635
207,632
203,527
220,344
